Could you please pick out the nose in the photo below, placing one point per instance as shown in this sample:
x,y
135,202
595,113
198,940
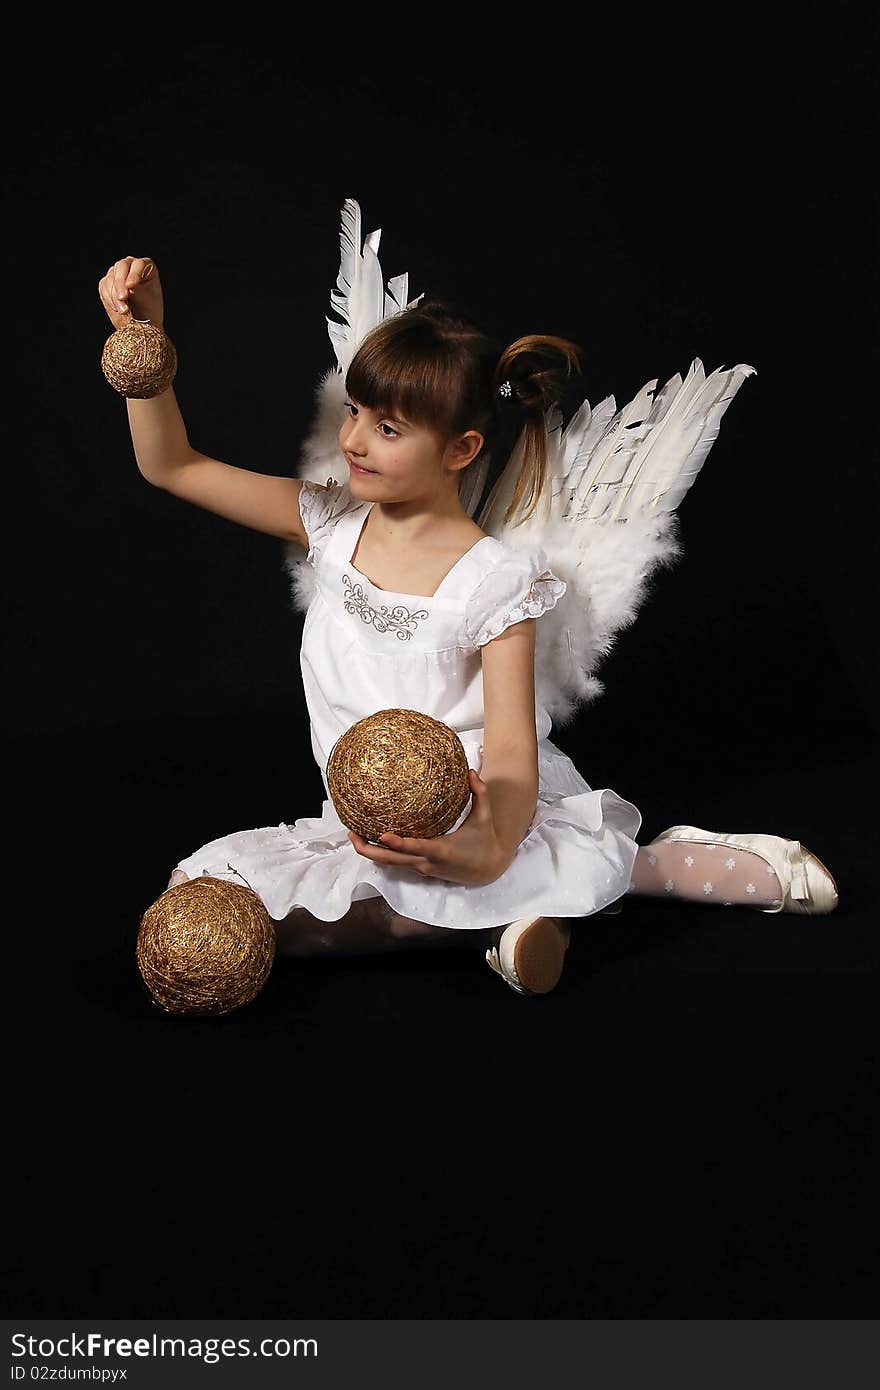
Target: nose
x,y
348,438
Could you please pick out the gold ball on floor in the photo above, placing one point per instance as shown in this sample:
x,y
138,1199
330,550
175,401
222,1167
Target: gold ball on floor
x,y
398,770
139,360
205,947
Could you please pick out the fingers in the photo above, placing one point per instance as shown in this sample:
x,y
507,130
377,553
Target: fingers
x,y
120,272
122,279
139,270
407,844
414,858
110,289
482,807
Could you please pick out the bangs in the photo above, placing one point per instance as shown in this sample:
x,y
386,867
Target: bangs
x,y
401,370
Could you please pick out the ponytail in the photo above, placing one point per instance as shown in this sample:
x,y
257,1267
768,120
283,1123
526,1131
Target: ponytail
x,y
538,369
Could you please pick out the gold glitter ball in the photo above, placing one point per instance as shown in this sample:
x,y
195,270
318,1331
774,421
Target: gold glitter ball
x,y
139,360
398,770
205,947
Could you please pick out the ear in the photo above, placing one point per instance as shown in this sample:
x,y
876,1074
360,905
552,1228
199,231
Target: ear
x,y
466,447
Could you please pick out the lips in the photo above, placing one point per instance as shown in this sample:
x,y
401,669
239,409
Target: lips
x,y
357,467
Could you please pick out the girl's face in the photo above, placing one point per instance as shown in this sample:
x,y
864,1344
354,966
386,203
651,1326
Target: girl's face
x,y
400,460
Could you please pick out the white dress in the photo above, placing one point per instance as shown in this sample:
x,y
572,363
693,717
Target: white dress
x,y
365,649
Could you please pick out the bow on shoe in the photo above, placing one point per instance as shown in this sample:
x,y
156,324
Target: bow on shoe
x,y
494,960
798,862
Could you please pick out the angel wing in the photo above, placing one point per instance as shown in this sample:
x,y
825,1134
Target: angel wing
x,y
606,519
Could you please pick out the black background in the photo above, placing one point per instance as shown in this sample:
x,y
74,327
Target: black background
x,y
684,1127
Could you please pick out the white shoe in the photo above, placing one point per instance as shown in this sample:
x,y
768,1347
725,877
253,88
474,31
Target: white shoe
x,y
807,886
530,954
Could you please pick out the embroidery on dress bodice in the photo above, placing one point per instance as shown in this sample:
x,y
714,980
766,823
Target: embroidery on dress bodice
x,y
397,619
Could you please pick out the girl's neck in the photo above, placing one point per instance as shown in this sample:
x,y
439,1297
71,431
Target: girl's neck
x,y
415,521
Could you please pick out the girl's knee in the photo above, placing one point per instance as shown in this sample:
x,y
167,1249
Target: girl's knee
x,y
402,927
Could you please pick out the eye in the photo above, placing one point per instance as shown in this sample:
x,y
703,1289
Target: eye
x,y
394,433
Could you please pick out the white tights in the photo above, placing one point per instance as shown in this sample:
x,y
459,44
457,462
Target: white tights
x,y
684,870
705,873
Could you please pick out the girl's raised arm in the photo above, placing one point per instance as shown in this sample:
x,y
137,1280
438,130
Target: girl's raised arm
x,y
162,449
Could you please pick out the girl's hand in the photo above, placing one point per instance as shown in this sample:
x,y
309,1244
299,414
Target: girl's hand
x,y
471,854
132,289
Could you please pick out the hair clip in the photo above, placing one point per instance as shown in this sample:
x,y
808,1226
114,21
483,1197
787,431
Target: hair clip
x,y
504,389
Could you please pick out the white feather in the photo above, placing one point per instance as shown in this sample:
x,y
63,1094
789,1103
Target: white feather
x,y
359,298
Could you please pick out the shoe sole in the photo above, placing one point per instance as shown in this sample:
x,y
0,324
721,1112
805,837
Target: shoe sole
x,y
539,956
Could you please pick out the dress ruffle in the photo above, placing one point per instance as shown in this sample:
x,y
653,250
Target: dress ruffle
x,y
320,506
521,586
576,859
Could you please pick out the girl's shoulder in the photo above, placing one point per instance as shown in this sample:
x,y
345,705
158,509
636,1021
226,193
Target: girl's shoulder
x,y
321,506
513,582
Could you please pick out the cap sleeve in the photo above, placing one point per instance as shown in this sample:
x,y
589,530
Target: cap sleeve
x,y
520,586
320,506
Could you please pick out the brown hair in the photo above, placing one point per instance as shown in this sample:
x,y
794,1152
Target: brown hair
x,y
431,364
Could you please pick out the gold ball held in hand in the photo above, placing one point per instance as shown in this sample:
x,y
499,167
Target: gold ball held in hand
x,y
139,360
205,947
398,770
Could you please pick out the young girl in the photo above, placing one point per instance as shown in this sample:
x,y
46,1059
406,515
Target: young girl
x,y
416,607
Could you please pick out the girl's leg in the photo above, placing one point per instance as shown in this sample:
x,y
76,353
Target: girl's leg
x,y
704,873
370,925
